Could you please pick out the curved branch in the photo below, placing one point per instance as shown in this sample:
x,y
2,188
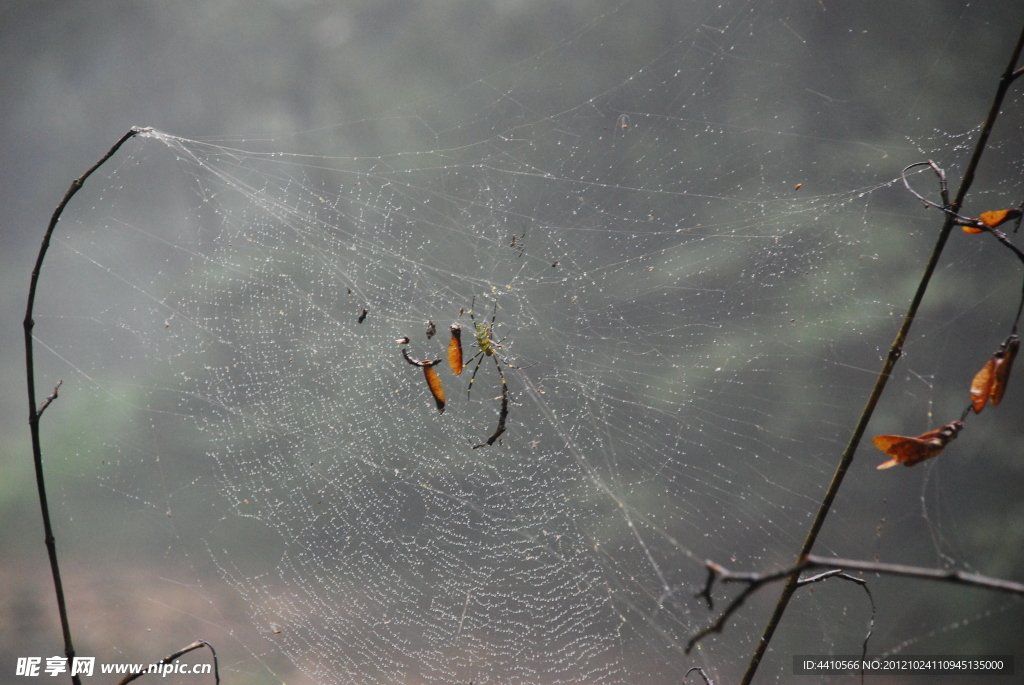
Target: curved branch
x,y
754,582
30,378
943,188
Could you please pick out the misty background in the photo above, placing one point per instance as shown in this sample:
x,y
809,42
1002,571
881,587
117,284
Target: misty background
x,y
380,77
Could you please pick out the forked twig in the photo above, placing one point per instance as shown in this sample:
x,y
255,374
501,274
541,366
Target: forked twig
x,y
755,581
1010,74
968,222
168,659
34,413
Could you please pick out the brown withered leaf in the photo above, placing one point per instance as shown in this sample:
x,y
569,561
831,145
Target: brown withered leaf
x,y
455,350
1003,366
433,381
990,383
981,386
910,451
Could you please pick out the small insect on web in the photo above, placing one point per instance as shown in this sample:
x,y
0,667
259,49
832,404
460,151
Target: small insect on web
x,y
519,243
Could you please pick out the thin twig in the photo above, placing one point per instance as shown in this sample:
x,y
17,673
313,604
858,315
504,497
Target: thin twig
x,y
838,573
942,575
46,403
943,188
168,659
1002,238
755,581
703,675
895,351
966,221
34,414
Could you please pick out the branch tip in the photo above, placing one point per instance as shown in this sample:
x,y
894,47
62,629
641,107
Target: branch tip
x,y
46,403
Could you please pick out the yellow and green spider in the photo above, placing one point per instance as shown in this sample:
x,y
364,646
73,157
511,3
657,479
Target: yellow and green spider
x,y
488,348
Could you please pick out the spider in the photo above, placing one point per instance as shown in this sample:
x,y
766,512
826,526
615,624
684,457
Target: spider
x,y
487,347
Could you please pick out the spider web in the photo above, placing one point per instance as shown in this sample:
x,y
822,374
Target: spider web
x,y
687,334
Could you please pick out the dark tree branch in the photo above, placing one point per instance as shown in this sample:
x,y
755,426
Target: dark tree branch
x,y
895,351
754,581
942,575
33,413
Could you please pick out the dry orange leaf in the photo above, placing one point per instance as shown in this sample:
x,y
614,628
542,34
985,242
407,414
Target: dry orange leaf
x,y
910,451
998,217
433,381
990,382
981,386
994,218
1004,364
455,350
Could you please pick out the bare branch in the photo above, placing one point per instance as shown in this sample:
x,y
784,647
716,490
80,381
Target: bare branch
x,y
755,581
942,575
30,377
943,189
